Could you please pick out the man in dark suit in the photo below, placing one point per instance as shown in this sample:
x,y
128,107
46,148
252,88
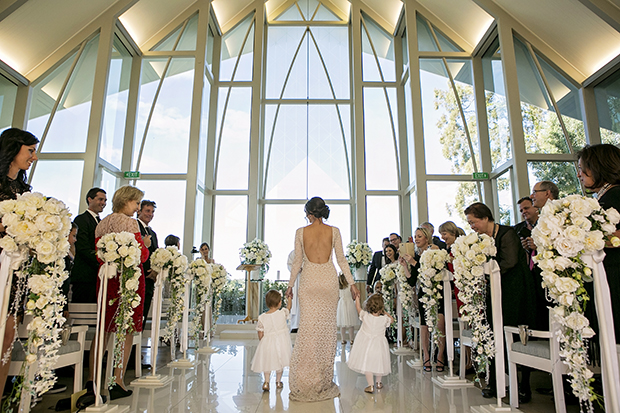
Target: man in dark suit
x,y
85,264
378,260
145,216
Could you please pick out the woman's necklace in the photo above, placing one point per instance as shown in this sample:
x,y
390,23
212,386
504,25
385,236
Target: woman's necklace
x,y
602,191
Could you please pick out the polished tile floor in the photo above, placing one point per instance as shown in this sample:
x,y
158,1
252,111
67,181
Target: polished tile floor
x,y
223,382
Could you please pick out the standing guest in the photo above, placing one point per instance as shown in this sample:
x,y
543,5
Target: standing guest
x,y
599,171
125,203
518,296
346,316
436,240
85,265
378,261
173,241
145,216
395,240
204,252
18,150
542,191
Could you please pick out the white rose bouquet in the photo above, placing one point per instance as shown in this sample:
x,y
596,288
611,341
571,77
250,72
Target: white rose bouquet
x,y
37,229
219,278
358,254
432,263
122,250
201,273
177,265
470,253
256,252
568,228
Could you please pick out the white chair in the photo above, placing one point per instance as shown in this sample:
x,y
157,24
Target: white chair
x,y
86,315
70,354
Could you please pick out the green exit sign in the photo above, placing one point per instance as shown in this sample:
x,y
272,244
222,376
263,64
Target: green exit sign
x,y
481,175
131,174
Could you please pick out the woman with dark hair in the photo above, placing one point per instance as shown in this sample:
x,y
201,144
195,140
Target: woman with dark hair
x,y
518,292
599,172
391,254
204,253
18,150
311,372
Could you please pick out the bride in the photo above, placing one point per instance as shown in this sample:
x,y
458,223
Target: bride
x,y
312,365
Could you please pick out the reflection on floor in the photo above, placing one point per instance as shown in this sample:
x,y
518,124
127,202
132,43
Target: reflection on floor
x,y
223,382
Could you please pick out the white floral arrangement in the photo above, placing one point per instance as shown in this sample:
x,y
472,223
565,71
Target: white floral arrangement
x,y
567,228
200,272
432,263
177,264
390,275
219,278
37,229
358,254
471,252
122,250
256,252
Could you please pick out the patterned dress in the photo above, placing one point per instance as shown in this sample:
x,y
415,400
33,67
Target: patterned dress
x,y
311,376
119,223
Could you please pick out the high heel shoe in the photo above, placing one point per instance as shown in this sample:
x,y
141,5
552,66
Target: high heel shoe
x,y
279,385
266,386
379,385
344,342
117,392
369,389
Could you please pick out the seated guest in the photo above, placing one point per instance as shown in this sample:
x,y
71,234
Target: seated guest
x,y
436,240
378,261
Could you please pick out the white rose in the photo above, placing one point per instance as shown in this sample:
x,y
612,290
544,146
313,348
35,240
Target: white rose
x,y
566,299
130,261
7,243
477,271
132,284
582,222
574,233
45,248
47,222
566,285
567,247
110,256
594,241
581,206
612,215
31,358
576,321
7,206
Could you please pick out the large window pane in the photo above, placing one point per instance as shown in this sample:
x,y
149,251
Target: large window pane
x,y
109,183
233,137
504,199
238,45
61,180
607,96
167,139
115,111
382,218
448,200
377,47
8,93
563,174
379,138
69,128
229,231
282,44
198,219
446,144
204,129
170,199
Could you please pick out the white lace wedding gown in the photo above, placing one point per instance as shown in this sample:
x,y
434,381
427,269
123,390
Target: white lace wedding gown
x,y
312,364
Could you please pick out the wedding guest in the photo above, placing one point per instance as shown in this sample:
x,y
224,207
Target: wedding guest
x,y
18,150
125,203
518,296
391,254
85,265
395,240
599,172
436,240
542,191
378,261
145,216
173,241
204,252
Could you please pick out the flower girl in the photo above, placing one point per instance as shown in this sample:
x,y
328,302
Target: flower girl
x,y
346,316
370,354
274,347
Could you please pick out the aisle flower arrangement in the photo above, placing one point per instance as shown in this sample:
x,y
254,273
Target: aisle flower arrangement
x,y
200,272
432,263
37,229
122,250
256,252
471,252
358,254
567,229
390,275
219,278
177,265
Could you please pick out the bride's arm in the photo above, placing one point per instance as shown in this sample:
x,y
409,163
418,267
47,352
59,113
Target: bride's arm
x,y
343,264
296,264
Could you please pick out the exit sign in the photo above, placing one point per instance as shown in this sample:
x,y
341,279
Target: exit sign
x,y
131,174
480,175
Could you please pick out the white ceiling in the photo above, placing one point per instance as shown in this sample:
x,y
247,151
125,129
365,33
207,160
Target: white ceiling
x,y
32,30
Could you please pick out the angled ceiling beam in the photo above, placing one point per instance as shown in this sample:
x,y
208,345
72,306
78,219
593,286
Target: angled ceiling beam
x,y
495,10
604,9
378,18
445,29
55,58
273,14
8,7
238,17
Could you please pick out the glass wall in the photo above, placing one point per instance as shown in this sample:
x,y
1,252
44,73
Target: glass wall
x,y
8,94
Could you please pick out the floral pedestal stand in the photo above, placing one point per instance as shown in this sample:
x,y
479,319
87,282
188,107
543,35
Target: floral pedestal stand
x,y
607,337
154,379
207,349
492,269
106,271
252,299
449,380
400,350
184,362
359,275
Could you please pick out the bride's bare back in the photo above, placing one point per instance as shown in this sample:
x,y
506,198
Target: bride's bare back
x,y
318,242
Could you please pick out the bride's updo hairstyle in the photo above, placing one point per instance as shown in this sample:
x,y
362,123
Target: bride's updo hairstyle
x,y
316,207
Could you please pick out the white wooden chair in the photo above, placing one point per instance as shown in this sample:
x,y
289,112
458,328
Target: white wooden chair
x,y
70,354
86,314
